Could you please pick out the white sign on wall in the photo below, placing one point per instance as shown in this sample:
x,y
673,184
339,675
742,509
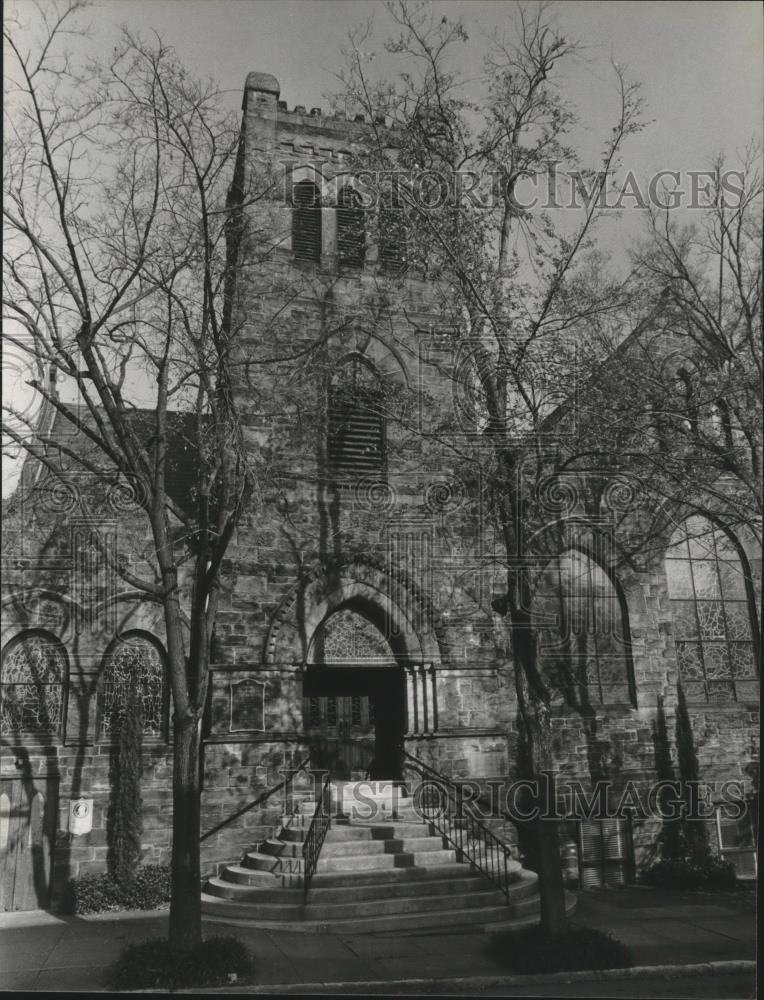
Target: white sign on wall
x,y
80,816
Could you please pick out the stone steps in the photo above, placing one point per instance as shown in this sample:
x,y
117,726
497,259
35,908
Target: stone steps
x,y
388,845
279,848
217,911
385,870
266,862
338,888
403,859
378,831
524,884
489,919
252,906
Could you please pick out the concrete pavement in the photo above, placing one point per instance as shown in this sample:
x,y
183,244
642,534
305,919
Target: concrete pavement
x,y
43,952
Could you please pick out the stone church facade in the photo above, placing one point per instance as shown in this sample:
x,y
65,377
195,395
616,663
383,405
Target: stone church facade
x,y
358,610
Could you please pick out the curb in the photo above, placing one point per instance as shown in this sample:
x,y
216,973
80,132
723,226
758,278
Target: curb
x,y
44,918
725,968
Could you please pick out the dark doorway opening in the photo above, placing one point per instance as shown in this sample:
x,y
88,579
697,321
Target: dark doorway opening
x,y
355,718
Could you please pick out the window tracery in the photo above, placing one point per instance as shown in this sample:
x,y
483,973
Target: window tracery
x,y
712,620
34,670
134,659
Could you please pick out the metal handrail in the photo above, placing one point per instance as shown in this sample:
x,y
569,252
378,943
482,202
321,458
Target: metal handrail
x,y
291,775
314,838
455,821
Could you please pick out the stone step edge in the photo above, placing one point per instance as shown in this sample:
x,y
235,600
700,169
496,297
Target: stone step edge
x,y
360,925
452,881
327,896
335,909
520,887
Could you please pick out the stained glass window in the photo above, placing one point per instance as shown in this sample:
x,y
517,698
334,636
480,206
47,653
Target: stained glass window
x,y
133,659
712,620
582,641
32,685
347,637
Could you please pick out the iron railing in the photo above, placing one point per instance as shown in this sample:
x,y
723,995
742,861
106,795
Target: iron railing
x,y
441,802
286,783
314,838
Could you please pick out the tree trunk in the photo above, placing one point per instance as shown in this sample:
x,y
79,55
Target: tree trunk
x,y
537,718
554,921
186,904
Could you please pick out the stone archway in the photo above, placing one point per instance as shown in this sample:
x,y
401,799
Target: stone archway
x,y
354,697
294,638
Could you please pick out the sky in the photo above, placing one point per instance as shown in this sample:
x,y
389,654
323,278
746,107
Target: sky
x,y
700,64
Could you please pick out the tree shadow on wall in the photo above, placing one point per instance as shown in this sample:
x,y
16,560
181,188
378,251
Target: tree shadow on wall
x,y
694,824
670,840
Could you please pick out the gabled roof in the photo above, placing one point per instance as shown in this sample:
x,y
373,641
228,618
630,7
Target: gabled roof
x,y
182,451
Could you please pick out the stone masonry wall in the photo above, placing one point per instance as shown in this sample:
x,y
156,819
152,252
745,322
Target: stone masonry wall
x,y
411,552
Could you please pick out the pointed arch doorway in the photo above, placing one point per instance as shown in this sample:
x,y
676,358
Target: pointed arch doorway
x,y
354,699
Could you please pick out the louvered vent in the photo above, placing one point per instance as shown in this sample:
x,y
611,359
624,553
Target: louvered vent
x,y
351,234
604,853
356,437
306,221
392,240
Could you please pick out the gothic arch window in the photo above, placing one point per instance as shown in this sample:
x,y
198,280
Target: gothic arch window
x,y
351,234
32,680
348,637
306,221
133,658
713,616
583,634
356,424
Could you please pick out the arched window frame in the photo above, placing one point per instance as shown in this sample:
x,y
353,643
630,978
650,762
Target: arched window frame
x,y
55,732
306,221
623,611
163,735
682,642
351,231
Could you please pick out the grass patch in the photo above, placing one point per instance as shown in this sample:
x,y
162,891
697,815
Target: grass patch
x,y
580,948
152,965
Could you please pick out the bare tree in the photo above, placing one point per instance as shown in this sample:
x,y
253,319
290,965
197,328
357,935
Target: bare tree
x,y
455,177
680,401
120,262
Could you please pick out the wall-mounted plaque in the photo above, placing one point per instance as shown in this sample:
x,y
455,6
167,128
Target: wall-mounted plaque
x,y
80,816
247,706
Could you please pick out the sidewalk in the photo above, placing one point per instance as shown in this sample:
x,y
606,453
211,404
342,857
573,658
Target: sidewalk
x,y
39,951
